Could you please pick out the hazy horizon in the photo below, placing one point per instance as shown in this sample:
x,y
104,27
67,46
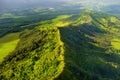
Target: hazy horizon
x,y
6,4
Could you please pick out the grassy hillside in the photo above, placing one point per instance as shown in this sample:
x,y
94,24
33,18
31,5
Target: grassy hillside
x,y
8,44
70,47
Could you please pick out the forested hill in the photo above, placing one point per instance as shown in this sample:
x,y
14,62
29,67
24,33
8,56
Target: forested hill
x,y
83,46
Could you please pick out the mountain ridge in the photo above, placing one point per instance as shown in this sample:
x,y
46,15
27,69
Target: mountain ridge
x,y
73,47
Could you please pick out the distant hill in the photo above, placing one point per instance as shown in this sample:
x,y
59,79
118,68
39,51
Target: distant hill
x,y
81,46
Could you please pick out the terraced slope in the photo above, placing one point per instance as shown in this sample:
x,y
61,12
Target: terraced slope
x,y
70,47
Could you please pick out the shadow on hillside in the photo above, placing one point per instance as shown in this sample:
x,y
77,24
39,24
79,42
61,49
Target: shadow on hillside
x,y
83,60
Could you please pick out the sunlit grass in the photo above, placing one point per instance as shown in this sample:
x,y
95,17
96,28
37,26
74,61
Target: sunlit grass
x,y
8,44
113,19
9,37
116,44
6,48
60,21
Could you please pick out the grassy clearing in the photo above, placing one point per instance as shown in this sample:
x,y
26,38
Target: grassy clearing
x,y
9,37
8,44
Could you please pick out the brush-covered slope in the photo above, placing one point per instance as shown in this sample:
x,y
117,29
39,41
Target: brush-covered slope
x,y
39,55
69,47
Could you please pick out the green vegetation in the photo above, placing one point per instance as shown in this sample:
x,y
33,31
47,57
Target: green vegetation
x,y
39,55
69,47
8,44
9,15
19,20
116,44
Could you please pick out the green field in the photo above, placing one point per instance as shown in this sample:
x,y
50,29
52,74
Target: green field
x,y
8,44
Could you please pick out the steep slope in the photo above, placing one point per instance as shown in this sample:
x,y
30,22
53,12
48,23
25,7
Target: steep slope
x,y
39,55
69,47
92,48
88,57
